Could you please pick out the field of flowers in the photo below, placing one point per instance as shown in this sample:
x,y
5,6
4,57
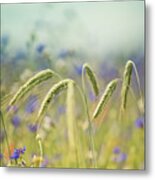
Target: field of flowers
x,y
63,107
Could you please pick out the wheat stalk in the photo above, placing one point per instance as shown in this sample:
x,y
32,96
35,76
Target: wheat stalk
x,y
55,90
105,97
31,83
92,78
126,83
70,114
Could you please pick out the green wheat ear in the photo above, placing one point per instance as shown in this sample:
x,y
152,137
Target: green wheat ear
x,y
105,97
126,83
31,83
92,77
55,90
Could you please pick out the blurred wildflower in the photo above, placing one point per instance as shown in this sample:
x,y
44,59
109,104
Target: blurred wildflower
x,y
92,96
107,71
32,128
4,40
16,121
40,48
61,109
31,104
78,69
139,123
1,156
116,150
63,53
121,158
12,109
17,152
45,162
20,54
22,150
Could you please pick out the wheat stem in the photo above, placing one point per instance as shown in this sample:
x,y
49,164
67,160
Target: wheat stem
x,y
38,138
90,130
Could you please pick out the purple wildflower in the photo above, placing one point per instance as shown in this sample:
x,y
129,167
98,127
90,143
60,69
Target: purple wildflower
x,y
32,128
92,96
31,104
45,162
116,150
121,158
22,150
17,152
16,121
1,156
139,123
78,69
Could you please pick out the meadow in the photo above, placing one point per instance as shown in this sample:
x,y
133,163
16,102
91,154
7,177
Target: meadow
x,y
67,108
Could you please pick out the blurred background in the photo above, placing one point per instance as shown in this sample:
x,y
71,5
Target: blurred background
x,y
65,35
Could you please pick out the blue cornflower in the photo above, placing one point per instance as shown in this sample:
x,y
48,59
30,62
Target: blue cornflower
x,y
16,121
1,156
17,152
31,104
139,123
4,40
63,53
32,128
116,150
121,158
78,69
40,48
22,150
20,54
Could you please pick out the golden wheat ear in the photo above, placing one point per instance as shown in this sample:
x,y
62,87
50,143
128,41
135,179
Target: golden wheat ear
x,y
31,83
126,83
92,77
55,90
105,97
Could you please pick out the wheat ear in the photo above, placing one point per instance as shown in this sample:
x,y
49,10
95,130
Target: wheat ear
x,y
55,90
31,83
92,77
105,97
126,83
